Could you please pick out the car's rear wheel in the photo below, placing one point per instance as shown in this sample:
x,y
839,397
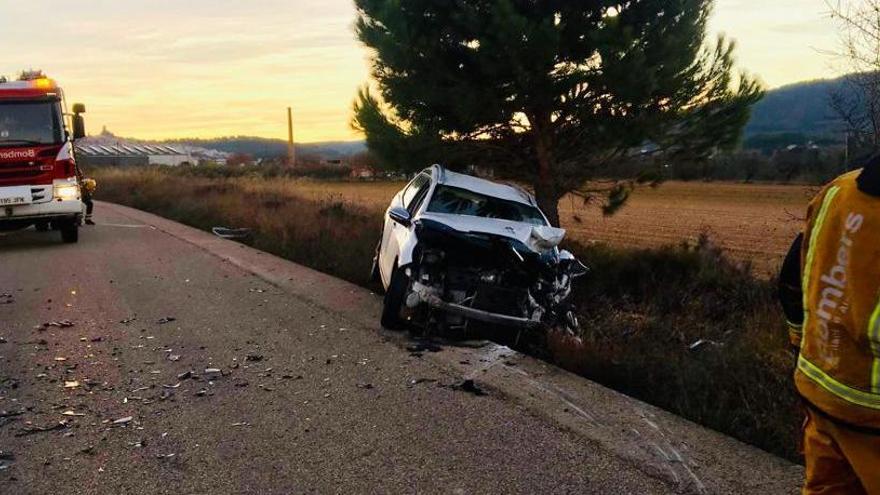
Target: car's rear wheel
x,y
393,301
70,232
42,226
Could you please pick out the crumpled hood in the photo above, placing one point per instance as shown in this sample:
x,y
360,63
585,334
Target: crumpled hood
x,y
537,238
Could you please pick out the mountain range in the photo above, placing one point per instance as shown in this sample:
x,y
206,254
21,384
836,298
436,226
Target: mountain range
x,y
792,114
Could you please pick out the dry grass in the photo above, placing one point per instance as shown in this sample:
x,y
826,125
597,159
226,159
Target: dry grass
x,y
642,308
753,224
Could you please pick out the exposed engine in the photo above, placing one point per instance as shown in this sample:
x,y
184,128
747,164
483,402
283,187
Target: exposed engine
x,y
490,278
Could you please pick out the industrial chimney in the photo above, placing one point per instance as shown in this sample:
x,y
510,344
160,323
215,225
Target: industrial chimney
x,y
291,151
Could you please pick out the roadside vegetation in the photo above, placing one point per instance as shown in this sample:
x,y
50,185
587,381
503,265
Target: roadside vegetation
x,y
681,327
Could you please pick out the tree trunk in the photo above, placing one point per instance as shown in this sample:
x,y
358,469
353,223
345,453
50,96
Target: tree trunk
x,y
546,189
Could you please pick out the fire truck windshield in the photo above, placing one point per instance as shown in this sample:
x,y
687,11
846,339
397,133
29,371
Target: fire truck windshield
x,y
30,123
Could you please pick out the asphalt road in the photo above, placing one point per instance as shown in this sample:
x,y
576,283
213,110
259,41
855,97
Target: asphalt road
x,y
307,401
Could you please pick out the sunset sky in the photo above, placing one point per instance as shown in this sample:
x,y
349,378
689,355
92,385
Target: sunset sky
x,y
203,68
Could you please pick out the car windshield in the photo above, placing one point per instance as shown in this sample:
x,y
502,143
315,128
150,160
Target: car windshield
x,y
457,201
30,123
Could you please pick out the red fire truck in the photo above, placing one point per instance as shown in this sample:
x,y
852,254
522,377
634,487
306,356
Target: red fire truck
x,y
39,182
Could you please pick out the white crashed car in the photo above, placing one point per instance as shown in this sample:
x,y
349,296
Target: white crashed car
x,y
457,249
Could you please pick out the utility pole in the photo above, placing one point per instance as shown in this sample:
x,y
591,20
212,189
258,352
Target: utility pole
x,y
291,150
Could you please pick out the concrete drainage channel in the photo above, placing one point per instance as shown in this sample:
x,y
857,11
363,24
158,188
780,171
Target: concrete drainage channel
x,y
689,458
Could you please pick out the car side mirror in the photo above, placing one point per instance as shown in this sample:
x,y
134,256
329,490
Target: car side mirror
x,y
400,215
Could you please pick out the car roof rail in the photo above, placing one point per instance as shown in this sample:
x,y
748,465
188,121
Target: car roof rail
x,y
441,172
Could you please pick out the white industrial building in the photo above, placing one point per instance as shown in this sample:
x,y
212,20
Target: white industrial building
x,y
127,154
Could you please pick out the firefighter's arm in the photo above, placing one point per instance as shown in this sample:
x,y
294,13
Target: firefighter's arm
x,y
790,293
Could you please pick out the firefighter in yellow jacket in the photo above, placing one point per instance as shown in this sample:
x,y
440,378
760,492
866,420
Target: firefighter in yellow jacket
x,y
830,290
88,189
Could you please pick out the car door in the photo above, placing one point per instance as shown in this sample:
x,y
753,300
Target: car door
x,y
394,234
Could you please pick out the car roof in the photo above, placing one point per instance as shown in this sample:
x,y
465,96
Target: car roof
x,y
482,186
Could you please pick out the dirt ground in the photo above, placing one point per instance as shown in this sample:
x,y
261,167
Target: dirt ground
x,y
752,222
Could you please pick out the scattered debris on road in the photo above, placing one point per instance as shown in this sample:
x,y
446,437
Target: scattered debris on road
x,y
7,459
470,387
123,421
416,381
33,429
57,324
233,234
165,319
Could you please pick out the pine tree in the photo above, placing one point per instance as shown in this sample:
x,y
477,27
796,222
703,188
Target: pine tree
x,y
547,91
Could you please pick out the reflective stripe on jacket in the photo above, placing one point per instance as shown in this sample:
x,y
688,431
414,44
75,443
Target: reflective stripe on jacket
x,y
839,364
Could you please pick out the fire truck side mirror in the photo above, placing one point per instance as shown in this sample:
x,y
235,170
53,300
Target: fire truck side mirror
x,y
79,127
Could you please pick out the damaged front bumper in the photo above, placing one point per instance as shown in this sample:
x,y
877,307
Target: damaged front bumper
x,y
424,294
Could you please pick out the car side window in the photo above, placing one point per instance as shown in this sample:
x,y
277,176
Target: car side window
x,y
413,190
419,197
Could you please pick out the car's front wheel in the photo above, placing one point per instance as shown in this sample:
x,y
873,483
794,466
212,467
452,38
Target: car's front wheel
x,y
393,301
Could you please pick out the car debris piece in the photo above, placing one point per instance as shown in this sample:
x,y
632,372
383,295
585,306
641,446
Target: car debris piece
x,y
165,456
201,393
7,459
71,384
234,234
123,421
174,357
420,347
185,375
213,373
126,321
59,324
470,387
242,423
72,413
33,429
166,319
176,385
254,357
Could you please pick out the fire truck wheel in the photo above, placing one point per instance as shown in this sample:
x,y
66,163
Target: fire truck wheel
x,y
70,232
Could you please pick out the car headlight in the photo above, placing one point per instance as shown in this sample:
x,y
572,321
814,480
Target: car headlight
x,y
66,192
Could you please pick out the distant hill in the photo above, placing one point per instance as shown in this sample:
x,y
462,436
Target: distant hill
x,y
799,111
265,148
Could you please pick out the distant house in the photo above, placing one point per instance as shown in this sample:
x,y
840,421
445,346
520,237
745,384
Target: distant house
x,y
362,172
126,154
